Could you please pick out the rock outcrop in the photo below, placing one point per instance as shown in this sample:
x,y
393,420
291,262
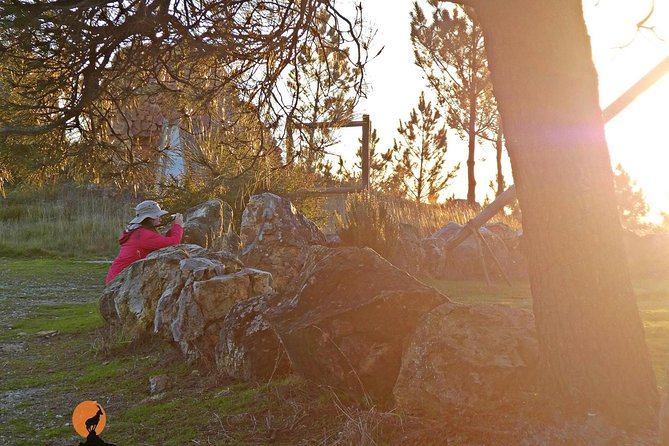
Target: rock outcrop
x,y
345,320
130,300
462,356
203,305
406,253
249,348
275,237
463,261
209,225
182,294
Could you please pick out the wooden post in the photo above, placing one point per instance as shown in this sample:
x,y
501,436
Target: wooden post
x,y
486,214
365,124
365,151
479,249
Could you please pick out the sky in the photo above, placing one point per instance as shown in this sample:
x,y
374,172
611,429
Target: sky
x,y
621,54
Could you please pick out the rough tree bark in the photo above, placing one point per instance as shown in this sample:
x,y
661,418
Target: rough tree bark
x,y
471,132
499,146
594,354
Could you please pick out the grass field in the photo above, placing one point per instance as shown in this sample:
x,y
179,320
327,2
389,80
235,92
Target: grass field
x,y
45,376
62,221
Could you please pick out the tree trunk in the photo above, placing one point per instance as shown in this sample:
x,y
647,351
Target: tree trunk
x,y
591,337
499,145
471,133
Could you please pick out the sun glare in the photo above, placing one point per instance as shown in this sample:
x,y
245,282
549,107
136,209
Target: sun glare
x,y
625,48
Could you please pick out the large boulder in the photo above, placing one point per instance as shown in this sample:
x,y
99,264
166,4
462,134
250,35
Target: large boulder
x,y
465,356
516,263
202,306
130,299
432,257
506,233
209,225
463,261
345,320
405,254
249,348
167,309
182,294
275,237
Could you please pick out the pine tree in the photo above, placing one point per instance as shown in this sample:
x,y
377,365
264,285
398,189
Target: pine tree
x,y
593,356
322,84
498,185
420,155
632,204
379,163
450,52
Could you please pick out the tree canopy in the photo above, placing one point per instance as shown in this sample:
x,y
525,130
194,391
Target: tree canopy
x,y
449,49
421,154
73,67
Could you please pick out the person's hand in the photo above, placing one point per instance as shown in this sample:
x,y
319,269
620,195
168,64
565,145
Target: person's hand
x,y
179,219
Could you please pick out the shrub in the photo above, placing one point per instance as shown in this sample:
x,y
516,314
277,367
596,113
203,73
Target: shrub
x,y
368,223
373,219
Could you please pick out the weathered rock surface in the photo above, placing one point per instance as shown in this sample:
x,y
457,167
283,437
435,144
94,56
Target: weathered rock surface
x,y
182,294
249,349
506,233
159,384
190,270
464,261
345,321
462,355
275,237
406,253
203,305
516,265
209,225
131,298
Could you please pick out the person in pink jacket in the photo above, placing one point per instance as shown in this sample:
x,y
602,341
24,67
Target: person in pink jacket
x,y
141,236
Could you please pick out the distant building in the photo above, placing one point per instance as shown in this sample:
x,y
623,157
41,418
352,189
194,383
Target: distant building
x,y
156,136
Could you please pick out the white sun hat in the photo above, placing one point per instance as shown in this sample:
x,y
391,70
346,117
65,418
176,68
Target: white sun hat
x,y
147,209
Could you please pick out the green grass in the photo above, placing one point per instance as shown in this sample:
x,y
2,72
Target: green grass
x,y
20,425
64,318
52,270
37,379
475,292
195,414
652,300
97,373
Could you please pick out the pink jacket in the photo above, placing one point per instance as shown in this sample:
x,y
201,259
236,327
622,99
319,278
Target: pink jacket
x,y
137,244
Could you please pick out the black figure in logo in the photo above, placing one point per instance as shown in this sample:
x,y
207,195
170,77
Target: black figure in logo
x,y
91,425
92,422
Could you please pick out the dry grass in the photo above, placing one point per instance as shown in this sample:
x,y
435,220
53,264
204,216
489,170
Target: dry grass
x,y
64,221
373,219
429,218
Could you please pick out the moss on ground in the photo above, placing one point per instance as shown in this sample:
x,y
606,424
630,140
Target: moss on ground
x,y
63,318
